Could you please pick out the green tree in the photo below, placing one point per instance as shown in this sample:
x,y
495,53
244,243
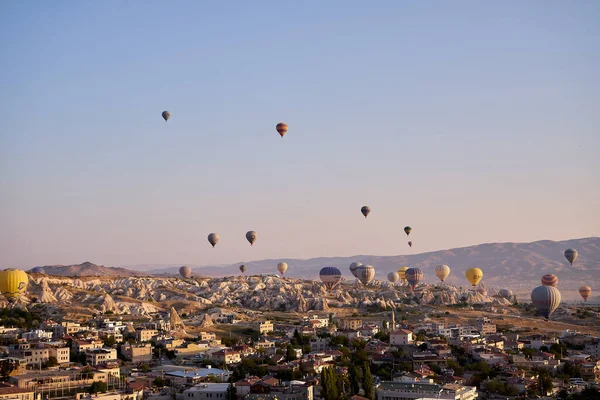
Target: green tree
x,y
355,377
98,387
52,361
231,392
160,382
290,354
109,341
329,387
367,382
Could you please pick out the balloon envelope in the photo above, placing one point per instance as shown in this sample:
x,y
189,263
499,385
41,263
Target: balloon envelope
x,y
282,267
393,277
251,237
414,276
365,210
365,274
402,273
213,239
506,293
442,271
166,115
282,128
550,280
13,283
585,292
571,255
242,268
330,276
186,272
474,275
407,230
353,267
546,299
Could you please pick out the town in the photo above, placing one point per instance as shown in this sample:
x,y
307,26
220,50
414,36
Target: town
x,y
318,356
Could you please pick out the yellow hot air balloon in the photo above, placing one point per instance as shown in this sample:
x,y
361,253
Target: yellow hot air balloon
x,y
402,273
474,275
13,283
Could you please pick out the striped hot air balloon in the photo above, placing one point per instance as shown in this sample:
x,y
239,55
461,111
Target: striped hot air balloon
x,y
546,299
365,274
585,292
414,276
442,271
330,276
550,280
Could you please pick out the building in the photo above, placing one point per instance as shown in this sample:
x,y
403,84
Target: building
x,y
194,376
13,366
405,391
207,391
227,356
81,346
100,356
353,324
145,335
207,336
401,337
319,344
30,353
37,334
16,393
264,327
593,348
137,353
62,354
485,326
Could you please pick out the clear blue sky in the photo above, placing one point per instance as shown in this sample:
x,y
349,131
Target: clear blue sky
x,y
470,121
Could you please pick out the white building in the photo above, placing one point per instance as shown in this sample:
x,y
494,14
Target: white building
x,y
207,391
593,348
401,337
405,391
100,356
264,327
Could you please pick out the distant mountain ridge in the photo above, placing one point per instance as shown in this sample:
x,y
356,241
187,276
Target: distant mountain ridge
x,y
89,269
516,261
499,262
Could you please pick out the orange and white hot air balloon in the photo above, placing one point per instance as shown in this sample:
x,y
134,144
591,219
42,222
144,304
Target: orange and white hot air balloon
x,y
282,128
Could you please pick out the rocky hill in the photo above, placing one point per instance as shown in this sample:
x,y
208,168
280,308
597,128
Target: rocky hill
x,y
89,269
148,295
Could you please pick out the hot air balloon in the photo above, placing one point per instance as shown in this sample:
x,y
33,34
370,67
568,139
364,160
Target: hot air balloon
x,y
186,272
410,244
506,293
442,271
571,255
330,276
365,210
546,299
242,268
353,267
585,292
474,275
402,273
550,280
407,230
13,283
213,239
393,277
482,289
251,237
38,270
282,267
166,115
414,276
282,128
365,274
